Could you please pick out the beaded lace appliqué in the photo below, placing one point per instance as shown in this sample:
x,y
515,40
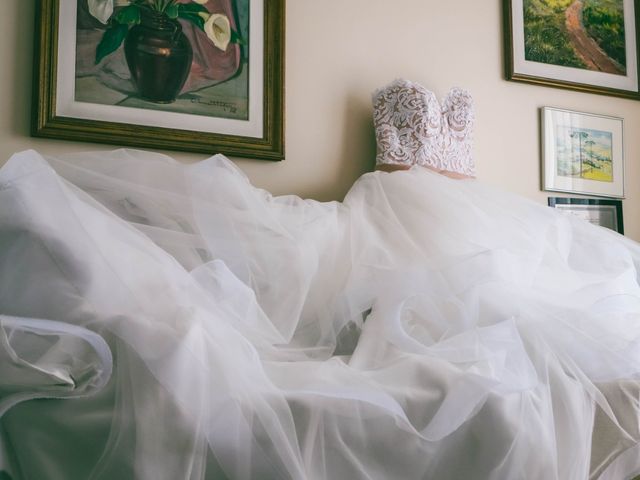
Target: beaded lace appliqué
x,y
413,128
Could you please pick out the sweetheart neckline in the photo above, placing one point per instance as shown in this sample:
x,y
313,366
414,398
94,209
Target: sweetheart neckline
x,y
399,82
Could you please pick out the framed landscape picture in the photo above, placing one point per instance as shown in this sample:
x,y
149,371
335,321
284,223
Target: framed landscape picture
x,y
587,45
193,75
582,153
606,213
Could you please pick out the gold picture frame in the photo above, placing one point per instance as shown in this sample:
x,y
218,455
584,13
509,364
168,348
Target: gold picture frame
x,y
260,136
544,50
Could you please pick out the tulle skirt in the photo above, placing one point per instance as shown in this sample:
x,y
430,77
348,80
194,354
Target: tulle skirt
x,y
178,323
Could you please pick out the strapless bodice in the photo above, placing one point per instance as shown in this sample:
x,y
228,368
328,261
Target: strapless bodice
x,y
414,128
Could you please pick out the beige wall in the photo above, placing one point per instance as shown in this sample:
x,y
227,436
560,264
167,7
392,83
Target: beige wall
x,y
338,52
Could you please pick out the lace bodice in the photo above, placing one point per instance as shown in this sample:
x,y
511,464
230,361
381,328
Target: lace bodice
x,y
413,128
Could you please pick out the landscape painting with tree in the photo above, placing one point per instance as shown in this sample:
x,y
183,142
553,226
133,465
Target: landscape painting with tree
x,y
582,153
588,45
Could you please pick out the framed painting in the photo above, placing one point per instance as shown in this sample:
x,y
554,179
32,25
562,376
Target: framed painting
x,y
193,75
586,45
606,213
582,153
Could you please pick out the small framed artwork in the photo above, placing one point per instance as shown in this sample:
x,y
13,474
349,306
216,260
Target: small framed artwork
x,y
588,45
193,75
604,212
582,153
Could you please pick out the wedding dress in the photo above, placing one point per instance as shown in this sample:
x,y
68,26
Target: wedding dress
x,y
179,323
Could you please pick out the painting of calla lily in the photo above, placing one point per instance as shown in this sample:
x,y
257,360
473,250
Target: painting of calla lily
x,y
190,75
216,26
164,54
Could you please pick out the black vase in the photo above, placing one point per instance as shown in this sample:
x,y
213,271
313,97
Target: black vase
x,y
159,57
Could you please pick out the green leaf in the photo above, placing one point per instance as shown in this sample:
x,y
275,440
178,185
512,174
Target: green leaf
x,y
111,40
196,19
129,15
172,11
192,8
236,38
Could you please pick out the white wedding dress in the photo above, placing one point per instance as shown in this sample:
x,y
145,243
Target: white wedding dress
x,y
180,323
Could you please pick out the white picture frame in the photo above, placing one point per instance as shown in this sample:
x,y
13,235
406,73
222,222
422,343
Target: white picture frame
x,y
582,153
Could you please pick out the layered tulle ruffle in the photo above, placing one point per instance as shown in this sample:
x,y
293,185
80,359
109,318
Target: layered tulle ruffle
x,y
423,328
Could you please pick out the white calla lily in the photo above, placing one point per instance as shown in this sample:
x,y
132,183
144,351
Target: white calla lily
x,y
218,29
101,9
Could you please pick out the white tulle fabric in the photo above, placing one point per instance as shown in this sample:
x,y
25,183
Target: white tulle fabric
x,y
413,128
426,328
